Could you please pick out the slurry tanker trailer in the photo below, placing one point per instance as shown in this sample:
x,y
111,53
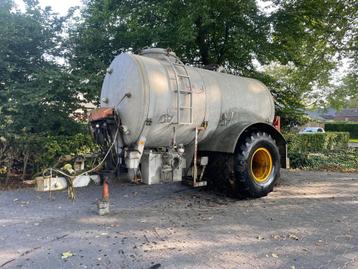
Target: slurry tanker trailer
x,y
160,120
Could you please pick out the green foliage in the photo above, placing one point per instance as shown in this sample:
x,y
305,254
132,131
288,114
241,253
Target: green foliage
x,y
53,147
41,150
350,127
345,95
322,151
37,94
34,97
317,142
343,160
299,160
289,105
315,36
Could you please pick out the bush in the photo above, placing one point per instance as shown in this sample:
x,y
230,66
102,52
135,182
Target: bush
x,y
350,127
328,151
299,160
344,161
54,147
317,142
33,153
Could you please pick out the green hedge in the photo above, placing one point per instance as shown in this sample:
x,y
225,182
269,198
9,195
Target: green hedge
x,y
317,142
351,128
322,151
343,160
43,151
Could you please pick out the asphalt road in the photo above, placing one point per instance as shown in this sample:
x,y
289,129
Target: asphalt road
x,y
309,221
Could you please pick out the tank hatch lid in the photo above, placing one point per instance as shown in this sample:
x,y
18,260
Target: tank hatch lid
x,y
157,52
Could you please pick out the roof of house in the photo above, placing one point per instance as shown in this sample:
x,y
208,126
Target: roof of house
x,y
352,112
331,113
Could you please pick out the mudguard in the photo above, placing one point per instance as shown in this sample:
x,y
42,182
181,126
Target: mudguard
x,y
227,140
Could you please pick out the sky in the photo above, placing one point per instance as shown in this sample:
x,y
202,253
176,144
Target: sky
x,y
59,6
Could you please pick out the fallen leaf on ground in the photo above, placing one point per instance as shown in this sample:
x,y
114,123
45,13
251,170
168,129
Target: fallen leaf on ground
x,y
155,266
66,255
276,237
293,236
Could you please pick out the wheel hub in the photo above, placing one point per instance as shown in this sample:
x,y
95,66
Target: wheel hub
x,y
261,165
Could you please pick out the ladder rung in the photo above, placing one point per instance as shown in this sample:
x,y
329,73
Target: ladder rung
x,y
179,92
183,76
186,92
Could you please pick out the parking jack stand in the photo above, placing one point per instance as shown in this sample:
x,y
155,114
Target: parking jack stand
x,y
103,204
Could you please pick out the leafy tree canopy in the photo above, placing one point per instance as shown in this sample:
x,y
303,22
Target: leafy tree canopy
x,y
229,33
316,36
345,95
37,94
34,97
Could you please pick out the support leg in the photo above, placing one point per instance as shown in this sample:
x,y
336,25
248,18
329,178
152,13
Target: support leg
x,y
103,204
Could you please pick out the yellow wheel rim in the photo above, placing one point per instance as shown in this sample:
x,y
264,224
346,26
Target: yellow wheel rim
x,y
261,165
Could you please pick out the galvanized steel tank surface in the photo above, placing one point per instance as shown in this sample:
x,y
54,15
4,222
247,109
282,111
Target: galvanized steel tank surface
x,y
219,99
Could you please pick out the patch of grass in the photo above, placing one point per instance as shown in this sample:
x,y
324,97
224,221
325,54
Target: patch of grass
x,y
353,140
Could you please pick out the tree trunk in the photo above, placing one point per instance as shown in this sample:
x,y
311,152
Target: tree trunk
x,y
26,159
202,44
8,172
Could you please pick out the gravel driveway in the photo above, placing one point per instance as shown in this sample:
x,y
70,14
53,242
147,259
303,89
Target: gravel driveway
x,y
309,221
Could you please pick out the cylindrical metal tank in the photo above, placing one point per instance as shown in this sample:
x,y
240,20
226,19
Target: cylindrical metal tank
x,y
159,86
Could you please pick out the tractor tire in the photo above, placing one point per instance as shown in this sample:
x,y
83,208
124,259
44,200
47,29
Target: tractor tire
x,y
219,173
256,165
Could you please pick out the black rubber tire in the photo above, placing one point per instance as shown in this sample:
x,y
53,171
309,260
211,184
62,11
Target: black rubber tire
x,y
245,183
219,173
